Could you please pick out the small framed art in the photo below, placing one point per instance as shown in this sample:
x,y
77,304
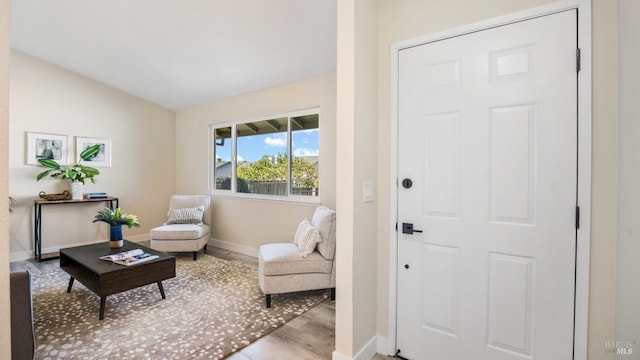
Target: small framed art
x,y
47,146
103,159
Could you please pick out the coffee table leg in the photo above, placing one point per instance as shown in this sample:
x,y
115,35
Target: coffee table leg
x,y
70,284
103,301
161,289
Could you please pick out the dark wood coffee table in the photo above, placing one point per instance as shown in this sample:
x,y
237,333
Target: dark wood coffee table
x,y
106,278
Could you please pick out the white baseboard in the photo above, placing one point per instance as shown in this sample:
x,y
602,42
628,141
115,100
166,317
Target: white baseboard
x,y
377,344
337,356
241,249
21,256
382,346
30,254
138,238
368,351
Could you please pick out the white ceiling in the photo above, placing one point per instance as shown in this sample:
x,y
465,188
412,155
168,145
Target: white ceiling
x,y
181,53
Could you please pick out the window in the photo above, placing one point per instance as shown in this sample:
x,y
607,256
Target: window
x,y
271,157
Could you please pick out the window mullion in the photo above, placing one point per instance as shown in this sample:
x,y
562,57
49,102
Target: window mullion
x,y
212,163
289,158
234,159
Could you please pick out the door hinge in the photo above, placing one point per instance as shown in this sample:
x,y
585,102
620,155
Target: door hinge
x,y
577,60
577,217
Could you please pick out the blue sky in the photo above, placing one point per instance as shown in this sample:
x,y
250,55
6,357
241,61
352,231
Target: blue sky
x,y
253,148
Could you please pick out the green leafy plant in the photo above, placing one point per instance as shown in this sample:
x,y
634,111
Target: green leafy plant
x,y
224,183
304,174
116,217
77,172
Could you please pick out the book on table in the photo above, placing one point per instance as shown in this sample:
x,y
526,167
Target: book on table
x,y
96,195
131,257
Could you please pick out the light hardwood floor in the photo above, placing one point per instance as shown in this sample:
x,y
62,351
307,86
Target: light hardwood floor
x,y
310,336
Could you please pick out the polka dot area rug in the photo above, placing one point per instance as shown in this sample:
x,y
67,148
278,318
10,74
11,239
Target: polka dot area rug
x,y
213,308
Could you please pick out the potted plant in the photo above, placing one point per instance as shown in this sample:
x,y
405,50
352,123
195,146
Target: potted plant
x,y
116,218
76,173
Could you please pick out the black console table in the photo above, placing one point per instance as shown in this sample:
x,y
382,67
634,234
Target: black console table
x,y
38,217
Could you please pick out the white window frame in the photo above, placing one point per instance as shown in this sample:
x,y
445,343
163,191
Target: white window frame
x,y
289,198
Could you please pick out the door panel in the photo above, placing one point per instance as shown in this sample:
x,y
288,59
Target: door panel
x,y
488,135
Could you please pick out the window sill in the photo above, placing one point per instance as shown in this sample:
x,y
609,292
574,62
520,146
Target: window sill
x,y
303,200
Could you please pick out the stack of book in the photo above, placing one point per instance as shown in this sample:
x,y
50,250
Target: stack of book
x,y
96,195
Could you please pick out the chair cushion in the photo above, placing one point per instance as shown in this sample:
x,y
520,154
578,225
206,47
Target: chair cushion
x,y
325,220
186,215
179,231
306,237
284,259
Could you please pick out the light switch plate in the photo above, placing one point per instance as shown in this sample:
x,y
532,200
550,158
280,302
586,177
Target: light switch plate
x,y
367,191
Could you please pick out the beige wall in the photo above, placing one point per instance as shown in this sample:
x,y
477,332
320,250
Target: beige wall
x,y
604,192
244,224
5,327
46,98
365,145
404,19
628,249
345,191
358,149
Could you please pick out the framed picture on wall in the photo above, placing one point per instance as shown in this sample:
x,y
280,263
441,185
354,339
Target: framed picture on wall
x,y
103,159
47,146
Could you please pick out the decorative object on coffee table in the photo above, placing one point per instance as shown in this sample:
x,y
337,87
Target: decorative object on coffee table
x,y
77,173
116,218
115,236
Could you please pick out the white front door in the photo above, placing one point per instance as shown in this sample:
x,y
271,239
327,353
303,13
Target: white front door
x,y
488,140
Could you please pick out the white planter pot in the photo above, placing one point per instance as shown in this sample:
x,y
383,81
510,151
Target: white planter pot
x,y
76,190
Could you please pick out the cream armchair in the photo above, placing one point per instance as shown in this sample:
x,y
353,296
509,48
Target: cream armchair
x,y
187,228
301,265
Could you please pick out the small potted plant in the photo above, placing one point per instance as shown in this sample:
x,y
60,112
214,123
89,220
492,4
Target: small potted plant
x,y
116,218
77,173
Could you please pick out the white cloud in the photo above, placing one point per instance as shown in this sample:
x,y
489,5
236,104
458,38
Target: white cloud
x,y
276,141
307,131
239,158
305,152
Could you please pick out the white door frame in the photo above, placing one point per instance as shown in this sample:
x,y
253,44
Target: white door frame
x,y
584,159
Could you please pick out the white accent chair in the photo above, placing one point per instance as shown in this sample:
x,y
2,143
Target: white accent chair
x,y
190,235
282,269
